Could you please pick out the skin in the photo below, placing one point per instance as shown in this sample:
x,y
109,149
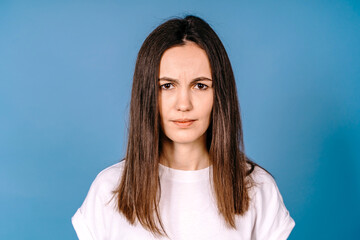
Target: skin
x,y
185,92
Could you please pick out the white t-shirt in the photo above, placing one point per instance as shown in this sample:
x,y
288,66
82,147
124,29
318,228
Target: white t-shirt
x,y
187,208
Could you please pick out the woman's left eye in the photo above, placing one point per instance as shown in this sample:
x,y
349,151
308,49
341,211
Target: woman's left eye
x,y
201,86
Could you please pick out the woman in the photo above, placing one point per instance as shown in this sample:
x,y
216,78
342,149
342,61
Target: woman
x,y
185,174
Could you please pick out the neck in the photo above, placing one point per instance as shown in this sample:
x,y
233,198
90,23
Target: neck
x,y
185,156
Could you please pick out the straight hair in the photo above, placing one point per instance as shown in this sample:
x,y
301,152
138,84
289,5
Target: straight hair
x,y
138,193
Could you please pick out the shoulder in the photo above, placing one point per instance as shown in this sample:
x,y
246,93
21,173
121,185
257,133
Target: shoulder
x,y
110,173
108,178
95,212
262,179
264,188
105,182
259,179
273,220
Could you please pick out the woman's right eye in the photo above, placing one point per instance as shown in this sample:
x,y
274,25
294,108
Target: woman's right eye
x,y
166,86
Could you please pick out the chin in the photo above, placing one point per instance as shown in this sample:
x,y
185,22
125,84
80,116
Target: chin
x,y
183,141
185,138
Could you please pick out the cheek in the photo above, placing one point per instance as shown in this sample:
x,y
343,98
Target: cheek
x,y
208,115
160,110
206,107
166,103
163,111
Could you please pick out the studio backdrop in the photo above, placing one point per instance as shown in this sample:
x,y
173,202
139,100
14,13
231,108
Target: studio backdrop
x,y
65,81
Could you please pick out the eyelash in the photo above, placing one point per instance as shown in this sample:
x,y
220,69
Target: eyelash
x,y
202,89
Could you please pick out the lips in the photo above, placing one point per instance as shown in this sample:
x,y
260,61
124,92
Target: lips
x,y
183,123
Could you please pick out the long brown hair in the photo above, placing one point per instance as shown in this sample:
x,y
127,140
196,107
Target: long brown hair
x,y
138,193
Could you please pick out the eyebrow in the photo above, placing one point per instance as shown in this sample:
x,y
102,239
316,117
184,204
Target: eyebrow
x,y
193,81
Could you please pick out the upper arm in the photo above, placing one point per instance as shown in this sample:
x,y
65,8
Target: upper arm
x,y
92,218
273,220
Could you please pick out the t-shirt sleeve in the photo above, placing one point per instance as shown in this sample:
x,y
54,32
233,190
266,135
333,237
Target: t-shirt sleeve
x,y
91,219
273,221
81,227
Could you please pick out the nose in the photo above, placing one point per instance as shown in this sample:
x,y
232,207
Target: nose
x,y
183,101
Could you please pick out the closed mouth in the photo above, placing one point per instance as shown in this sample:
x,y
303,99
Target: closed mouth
x,y
183,120
184,123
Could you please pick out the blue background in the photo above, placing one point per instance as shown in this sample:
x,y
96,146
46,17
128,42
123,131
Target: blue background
x,y
65,80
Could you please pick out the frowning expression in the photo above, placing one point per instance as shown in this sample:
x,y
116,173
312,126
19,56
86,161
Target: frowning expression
x,y
185,93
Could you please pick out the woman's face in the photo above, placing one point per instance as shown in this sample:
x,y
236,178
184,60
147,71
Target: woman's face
x,y
185,93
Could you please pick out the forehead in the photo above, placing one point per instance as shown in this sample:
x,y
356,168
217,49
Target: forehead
x,y
185,61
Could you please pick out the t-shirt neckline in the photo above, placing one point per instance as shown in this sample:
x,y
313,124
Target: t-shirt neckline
x,y
184,175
